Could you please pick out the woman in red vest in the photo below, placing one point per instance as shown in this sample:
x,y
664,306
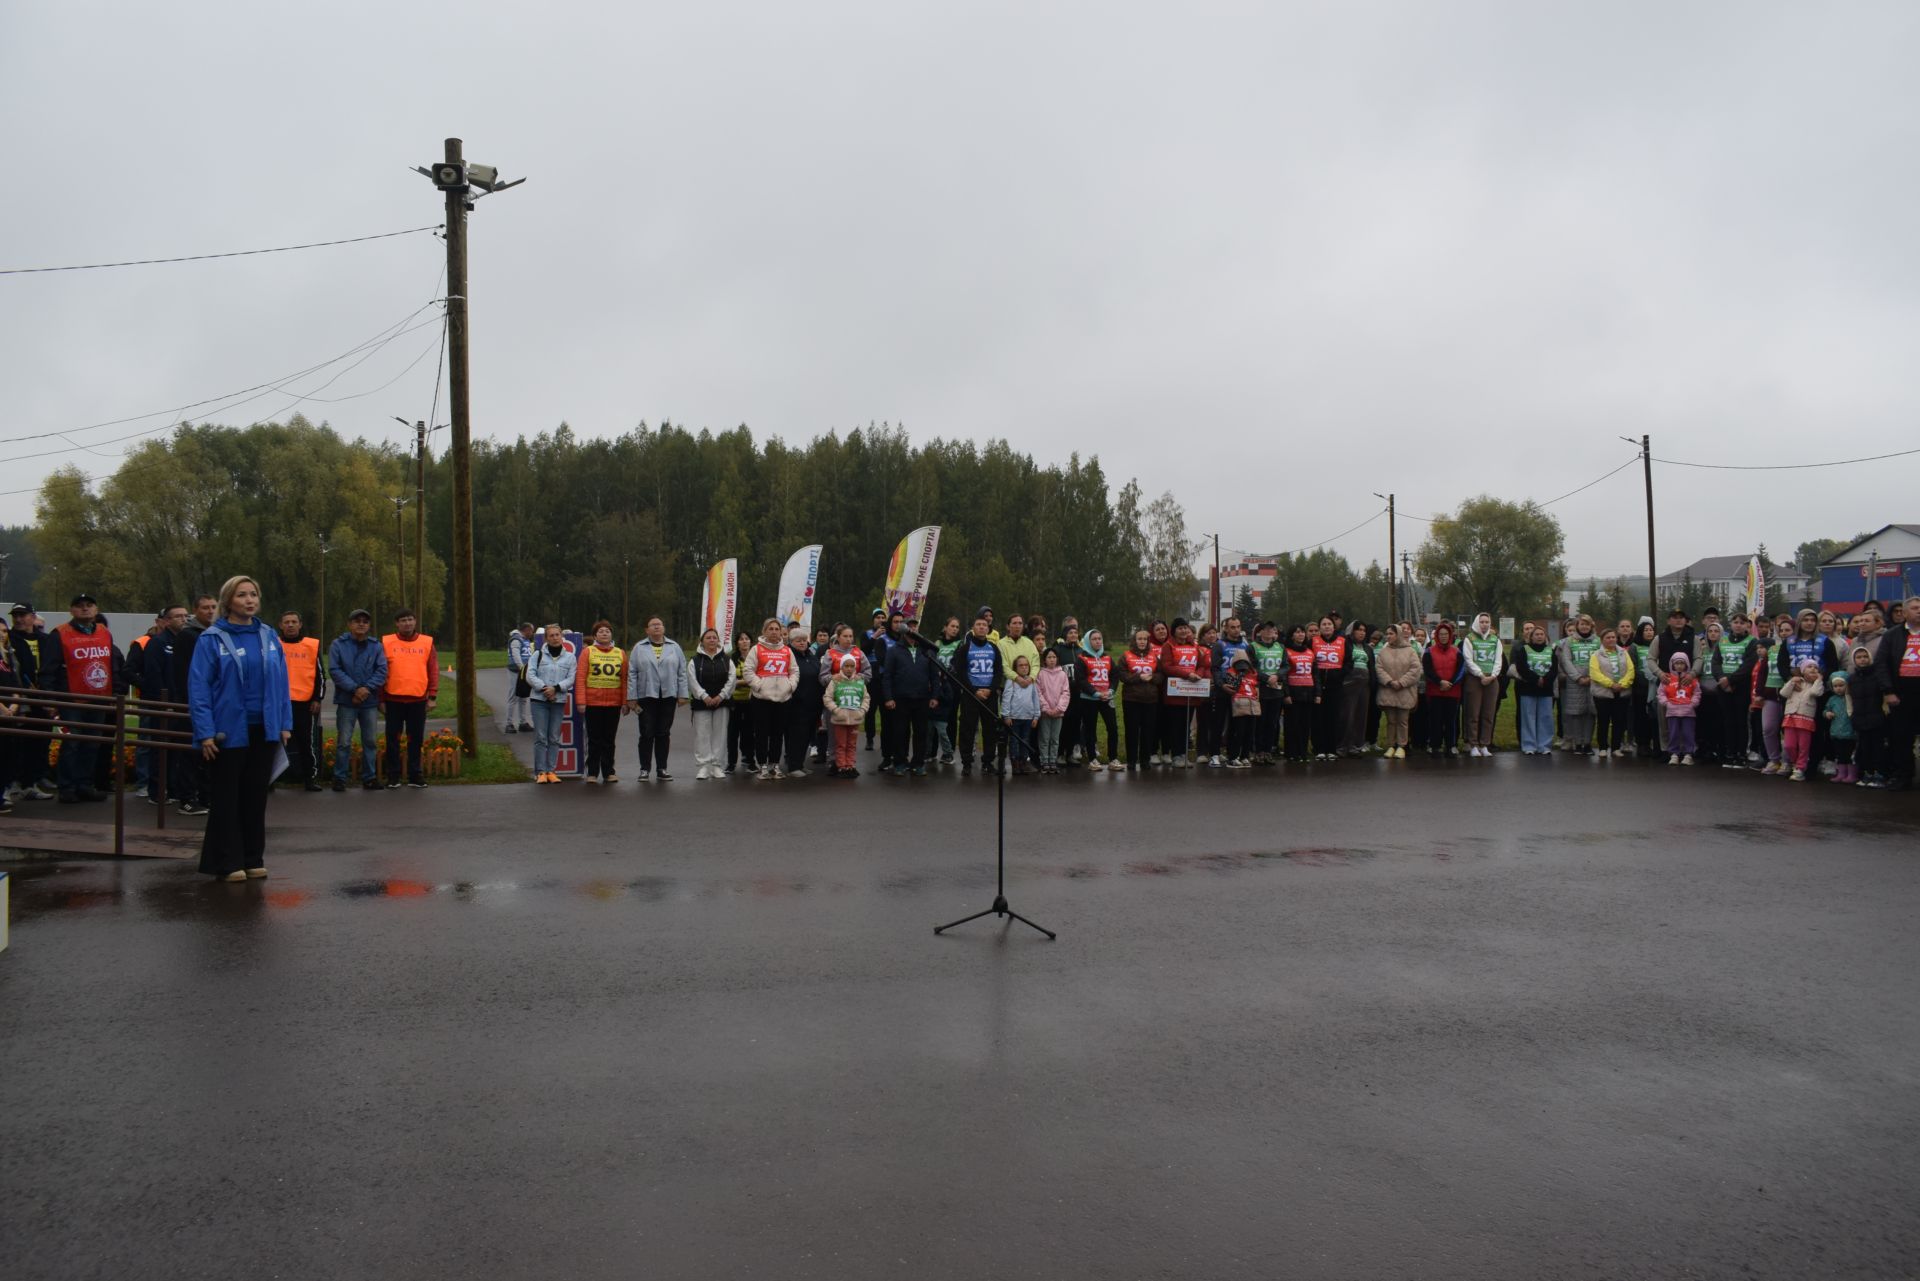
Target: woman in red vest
x,y
1302,683
772,676
1446,667
1332,656
1182,659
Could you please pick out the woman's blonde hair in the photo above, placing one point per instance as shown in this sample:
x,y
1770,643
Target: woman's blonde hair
x,y
228,588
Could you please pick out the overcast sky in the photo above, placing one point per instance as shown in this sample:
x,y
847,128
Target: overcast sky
x,y
1271,256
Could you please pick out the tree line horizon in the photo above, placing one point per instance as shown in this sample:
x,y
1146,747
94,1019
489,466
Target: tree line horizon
x,y
573,530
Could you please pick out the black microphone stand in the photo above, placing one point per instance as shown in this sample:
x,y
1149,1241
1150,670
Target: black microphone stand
x,y
999,907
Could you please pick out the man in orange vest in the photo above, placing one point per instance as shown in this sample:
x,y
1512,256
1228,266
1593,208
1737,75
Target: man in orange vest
x,y
413,681
307,687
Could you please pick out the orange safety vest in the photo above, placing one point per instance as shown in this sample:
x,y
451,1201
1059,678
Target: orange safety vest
x,y
604,672
303,668
409,665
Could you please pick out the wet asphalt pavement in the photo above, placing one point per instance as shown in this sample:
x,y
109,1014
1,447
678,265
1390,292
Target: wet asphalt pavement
x,y
1498,1019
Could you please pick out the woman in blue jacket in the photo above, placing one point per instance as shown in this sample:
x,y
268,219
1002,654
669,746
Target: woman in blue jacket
x,y
242,717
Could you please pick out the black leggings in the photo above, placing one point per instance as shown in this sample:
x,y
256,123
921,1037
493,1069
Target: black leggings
x,y
603,728
1299,719
1092,715
1267,739
1173,727
739,735
975,713
1240,736
1611,716
769,730
1327,722
1142,733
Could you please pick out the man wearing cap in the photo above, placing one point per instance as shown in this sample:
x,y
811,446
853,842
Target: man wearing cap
x,y
307,690
413,682
359,667
79,658
28,637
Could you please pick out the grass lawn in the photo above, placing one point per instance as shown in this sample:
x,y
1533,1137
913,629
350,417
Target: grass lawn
x,y
495,763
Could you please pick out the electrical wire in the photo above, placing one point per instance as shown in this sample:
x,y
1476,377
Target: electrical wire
x,y
1838,462
238,253
1590,484
271,384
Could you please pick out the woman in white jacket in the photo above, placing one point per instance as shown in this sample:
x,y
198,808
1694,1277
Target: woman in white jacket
x,y
771,677
710,680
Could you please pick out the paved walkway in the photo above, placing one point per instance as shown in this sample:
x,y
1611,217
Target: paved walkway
x,y
1503,1019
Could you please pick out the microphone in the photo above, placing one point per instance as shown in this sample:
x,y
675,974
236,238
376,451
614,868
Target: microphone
x,y
913,635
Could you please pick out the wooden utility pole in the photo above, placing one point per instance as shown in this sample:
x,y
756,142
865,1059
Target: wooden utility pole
x,y
1392,596
1216,581
1406,583
460,455
400,550
1653,580
420,520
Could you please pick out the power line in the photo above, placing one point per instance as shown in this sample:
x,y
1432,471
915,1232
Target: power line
x,y
1838,462
1590,484
237,253
270,385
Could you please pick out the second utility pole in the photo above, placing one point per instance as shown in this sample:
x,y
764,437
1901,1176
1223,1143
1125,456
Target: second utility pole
x,y
420,517
1653,582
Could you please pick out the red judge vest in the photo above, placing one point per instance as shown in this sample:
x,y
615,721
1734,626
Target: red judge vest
x,y
89,658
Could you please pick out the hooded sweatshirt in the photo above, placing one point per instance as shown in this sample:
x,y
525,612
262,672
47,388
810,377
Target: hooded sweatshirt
x,y
1093,675
1866,691
1482,648
1680,692
1056,691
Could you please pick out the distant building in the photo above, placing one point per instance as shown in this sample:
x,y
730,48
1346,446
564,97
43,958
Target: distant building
x,y
1891,552
1254,573
1635,585
1726,577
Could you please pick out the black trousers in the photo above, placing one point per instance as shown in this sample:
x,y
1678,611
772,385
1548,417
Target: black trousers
x,y
1299,727
1175,721
239,780
1707,725
1896,755
769,730
802,729
1142,733
1092,714
1611,716
1213,723
410,719
1240,736
1646,730
1327,721
976,714
740,735
1443,724
1266,740
300,759
909,728
603,732
656,732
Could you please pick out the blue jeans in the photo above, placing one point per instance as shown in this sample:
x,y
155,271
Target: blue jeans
x,y
546,734
345,717
1536,723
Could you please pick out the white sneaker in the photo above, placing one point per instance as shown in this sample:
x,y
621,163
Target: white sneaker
x,y
766,771
1213,762
799,773
1687,760
1181,762
700,775
1114,766
1604,754
778,772
1675,760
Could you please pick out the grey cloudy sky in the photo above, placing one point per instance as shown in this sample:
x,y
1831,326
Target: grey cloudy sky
x,y
1271,256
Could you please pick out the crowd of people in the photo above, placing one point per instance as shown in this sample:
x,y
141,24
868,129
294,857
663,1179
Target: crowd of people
x,y
1800,696
251,691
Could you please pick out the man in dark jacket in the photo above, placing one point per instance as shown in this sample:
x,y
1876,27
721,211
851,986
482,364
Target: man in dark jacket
x,y
1899,668
909,690
192,783
28,636
156,685
977,669
805,709
874,645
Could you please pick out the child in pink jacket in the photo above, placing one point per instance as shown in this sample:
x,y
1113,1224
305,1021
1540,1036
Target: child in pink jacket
x,y
1056,696
1801,695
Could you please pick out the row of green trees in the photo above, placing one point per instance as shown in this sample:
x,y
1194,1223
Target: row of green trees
x,y
573,529
625,527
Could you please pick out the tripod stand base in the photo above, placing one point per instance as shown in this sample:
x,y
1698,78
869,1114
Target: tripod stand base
x,y
999,908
